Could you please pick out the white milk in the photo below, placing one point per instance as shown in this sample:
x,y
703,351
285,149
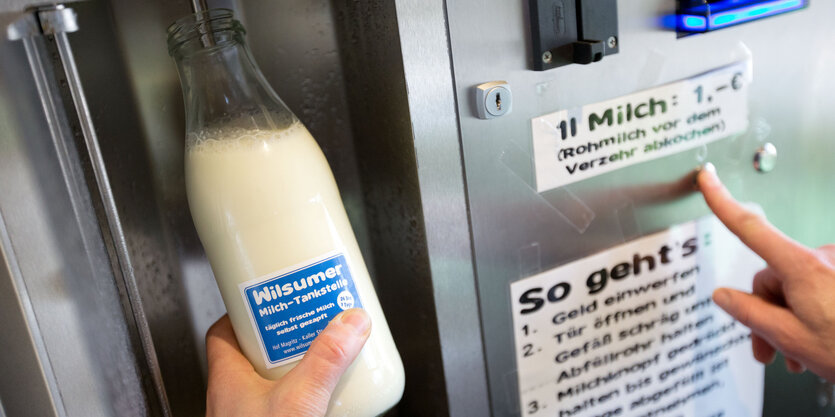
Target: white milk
x,y
264,201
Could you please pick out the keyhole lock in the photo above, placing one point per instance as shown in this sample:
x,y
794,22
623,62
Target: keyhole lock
x,y
493,99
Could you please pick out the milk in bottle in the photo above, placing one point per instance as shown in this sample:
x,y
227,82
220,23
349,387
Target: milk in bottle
x,y
269,215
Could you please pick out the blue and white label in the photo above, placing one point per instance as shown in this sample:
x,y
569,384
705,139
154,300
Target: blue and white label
x,y
289,308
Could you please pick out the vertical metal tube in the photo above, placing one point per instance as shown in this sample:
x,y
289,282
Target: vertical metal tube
x,y
198,6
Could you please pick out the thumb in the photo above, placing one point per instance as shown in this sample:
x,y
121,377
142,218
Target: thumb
x,y
778,325
332,352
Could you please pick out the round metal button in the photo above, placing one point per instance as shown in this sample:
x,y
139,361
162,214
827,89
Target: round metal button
x,y
765,158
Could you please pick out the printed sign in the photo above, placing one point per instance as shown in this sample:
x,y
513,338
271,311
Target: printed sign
x,y
572,145
288,309
632,331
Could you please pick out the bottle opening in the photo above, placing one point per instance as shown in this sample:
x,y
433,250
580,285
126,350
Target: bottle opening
x,y
203,30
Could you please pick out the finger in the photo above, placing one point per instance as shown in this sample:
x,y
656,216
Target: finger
x,y
769,287
332,351
763,351
222,350
777,325
784,254
794,366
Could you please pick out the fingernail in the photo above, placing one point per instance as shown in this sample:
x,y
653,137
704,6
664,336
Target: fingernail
x,y
722,298
357,320
795,368
709,167
710,177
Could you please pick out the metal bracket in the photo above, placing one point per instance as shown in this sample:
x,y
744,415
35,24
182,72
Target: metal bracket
x,y
58,19
26,26
49,20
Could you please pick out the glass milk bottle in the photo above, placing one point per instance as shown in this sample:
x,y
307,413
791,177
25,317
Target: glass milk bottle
x,y
269,215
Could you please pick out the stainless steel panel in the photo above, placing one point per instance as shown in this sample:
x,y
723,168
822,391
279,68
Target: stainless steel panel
x,y
60,267
109,219
414,250
21,338
175,308
427,66
25,377
518,232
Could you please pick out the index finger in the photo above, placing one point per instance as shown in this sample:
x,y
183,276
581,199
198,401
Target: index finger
x,y
781,252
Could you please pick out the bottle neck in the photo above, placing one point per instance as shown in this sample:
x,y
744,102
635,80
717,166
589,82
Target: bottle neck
x,y
222,86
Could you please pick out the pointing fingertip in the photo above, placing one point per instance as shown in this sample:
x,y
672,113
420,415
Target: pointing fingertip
x,y
707,175
710,168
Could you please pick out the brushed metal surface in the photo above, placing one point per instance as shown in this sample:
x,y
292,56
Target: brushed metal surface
x,y
25,378
427,66
77,325
111,222
22,339
518,232
379,103
166,302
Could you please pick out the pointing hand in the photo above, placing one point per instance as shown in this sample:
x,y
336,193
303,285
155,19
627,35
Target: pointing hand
x,y
792,308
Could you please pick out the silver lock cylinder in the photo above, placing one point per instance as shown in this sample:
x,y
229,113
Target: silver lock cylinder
x,y
493,99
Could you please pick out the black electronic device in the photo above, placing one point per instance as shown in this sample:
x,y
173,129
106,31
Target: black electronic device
x,y
572,31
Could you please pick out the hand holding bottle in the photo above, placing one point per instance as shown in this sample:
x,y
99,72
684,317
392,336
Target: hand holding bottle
x,y
236,389
792,308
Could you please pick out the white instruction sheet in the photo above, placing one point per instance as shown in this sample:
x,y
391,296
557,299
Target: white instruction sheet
x,y
632,331
576,144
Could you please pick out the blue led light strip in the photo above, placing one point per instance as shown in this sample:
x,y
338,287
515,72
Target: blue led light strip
x,y
757,11
692,23
696,23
